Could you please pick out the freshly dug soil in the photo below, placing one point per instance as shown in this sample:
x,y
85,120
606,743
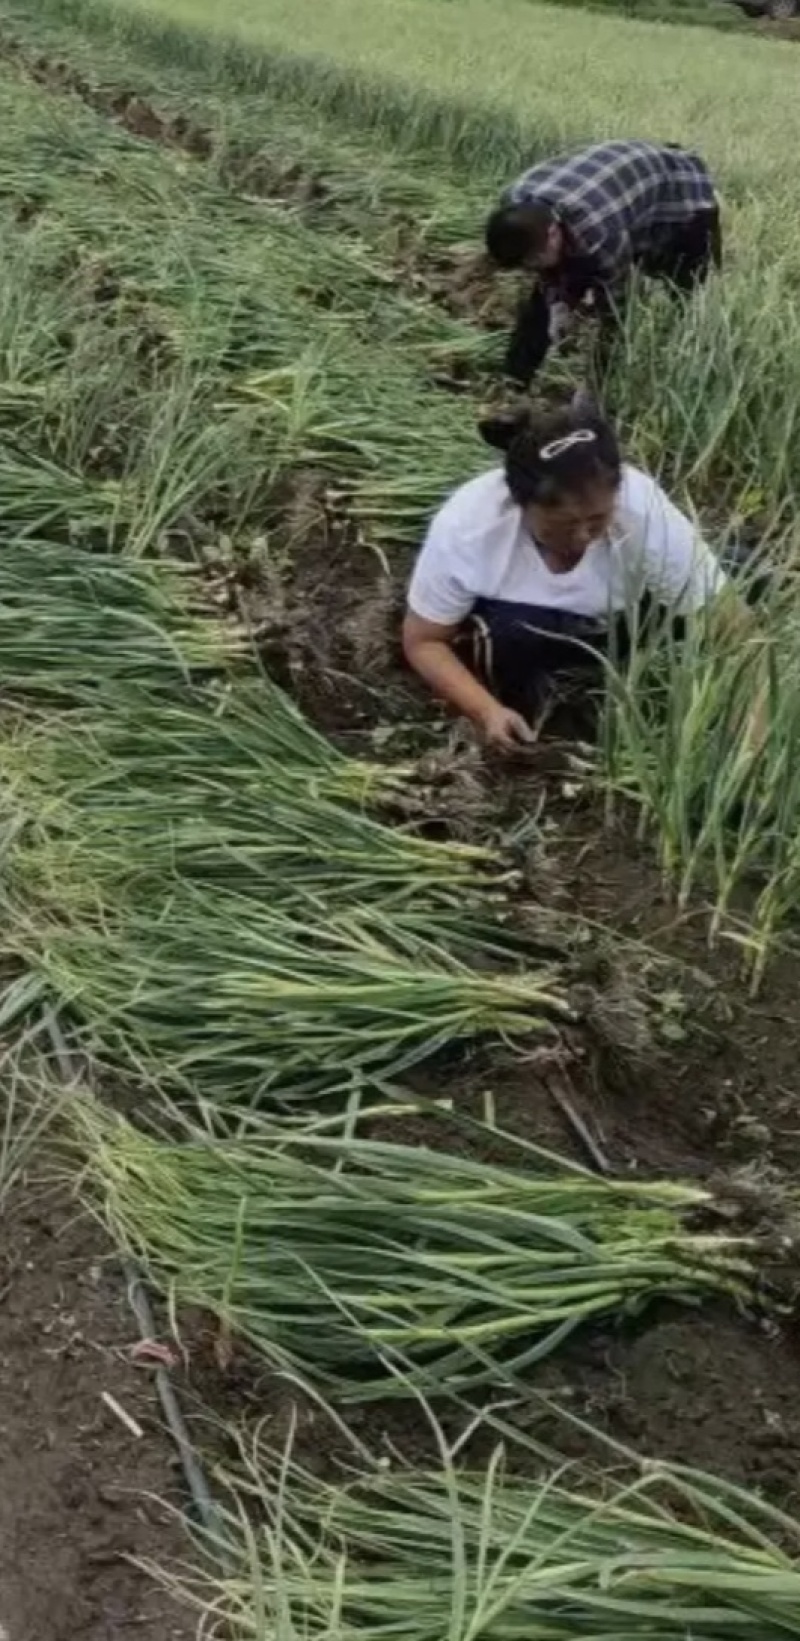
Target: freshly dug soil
x,y
77,1488
704,1388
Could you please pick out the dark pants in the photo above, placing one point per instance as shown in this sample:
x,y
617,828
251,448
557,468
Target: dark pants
x,y
524,653
683,261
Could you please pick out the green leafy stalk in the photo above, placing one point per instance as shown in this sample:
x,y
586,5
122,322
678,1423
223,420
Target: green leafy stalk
x,y
358,1256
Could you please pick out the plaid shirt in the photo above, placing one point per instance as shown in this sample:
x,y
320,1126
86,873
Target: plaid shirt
x,y
618,200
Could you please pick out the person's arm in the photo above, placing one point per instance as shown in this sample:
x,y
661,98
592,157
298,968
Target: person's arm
x,y
530,338
428,649
683,573
599,260
576,277
584,286
678,567
733,621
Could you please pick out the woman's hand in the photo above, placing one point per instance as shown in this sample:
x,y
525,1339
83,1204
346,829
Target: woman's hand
x,y
427,648
505,729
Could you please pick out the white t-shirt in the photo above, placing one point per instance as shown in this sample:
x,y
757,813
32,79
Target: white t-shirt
x,y
478,547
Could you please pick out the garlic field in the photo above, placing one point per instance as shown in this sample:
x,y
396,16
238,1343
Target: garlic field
x,y
449,1112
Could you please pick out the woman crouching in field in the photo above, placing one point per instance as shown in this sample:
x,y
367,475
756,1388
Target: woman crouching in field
x,y
529,570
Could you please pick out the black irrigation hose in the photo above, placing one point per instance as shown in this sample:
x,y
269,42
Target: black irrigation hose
x,y
139,1301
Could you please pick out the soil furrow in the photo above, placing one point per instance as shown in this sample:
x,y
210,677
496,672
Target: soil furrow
x,y
456,279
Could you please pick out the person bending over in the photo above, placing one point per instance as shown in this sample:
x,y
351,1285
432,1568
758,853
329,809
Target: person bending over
x,y
530,569
583,221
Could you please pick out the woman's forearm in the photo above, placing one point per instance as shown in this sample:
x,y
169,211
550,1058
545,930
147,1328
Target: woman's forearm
x,y
448,678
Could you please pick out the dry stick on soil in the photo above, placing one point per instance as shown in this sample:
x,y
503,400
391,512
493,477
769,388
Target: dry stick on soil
x,y
554,1084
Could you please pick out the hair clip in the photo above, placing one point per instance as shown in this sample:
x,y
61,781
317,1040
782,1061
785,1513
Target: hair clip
x,y
556,447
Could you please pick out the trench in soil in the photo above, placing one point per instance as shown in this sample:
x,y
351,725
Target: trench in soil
x,y
451,278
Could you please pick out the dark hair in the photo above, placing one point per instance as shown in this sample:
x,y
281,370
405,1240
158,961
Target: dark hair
x,y
559,454
514,232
